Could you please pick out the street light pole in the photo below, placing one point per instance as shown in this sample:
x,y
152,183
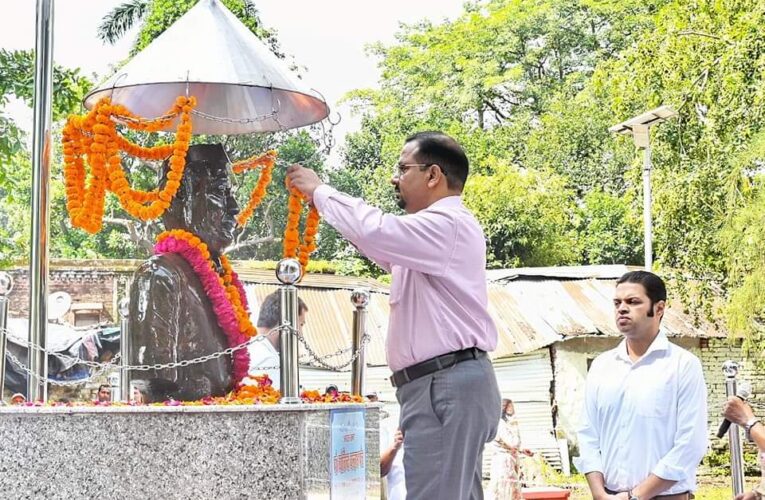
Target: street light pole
x,y
640,129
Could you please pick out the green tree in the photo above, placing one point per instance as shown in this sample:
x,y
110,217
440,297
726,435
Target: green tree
x,y
609,229
69,86
527,217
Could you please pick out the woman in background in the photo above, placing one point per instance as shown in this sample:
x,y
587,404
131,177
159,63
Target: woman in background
x,y
505,464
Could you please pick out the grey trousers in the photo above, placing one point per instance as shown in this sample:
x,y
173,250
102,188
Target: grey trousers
x,y
446,418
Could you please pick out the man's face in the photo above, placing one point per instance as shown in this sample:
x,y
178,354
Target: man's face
x,y
104,394
410,180
635,318
215,209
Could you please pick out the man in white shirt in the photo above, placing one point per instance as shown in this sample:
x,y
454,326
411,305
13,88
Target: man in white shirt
x,y
264,355
645,428
392,461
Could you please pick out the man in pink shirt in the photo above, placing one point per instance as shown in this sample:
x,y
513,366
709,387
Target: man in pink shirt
x,y
439,328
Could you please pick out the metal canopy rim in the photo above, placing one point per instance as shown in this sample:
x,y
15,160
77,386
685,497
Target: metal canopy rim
x,y
240,85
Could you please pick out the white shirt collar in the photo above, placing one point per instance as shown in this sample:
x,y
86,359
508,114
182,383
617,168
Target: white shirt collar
x,y
660,343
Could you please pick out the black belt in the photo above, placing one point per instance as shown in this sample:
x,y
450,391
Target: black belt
x,y
431,365
673,496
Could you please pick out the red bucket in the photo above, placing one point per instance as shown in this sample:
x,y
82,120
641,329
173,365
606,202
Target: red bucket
x,y
545,493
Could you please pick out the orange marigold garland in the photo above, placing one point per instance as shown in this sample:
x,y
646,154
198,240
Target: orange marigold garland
x,y
94,138
293,248
266,163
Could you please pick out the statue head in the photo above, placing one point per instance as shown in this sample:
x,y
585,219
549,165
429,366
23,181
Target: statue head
x,y
204,204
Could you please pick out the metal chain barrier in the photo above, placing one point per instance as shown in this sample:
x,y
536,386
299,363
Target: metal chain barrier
x,y
102,367
320,360
31,373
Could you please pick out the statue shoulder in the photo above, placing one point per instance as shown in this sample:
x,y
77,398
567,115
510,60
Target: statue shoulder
x,y
164,269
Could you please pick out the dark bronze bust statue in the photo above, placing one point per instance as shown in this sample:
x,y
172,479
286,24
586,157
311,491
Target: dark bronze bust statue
x,y
171,318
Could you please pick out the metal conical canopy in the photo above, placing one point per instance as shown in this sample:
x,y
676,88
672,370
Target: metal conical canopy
x,y
240,85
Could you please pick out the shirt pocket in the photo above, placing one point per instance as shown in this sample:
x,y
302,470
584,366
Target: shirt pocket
x,y
654,400
396,285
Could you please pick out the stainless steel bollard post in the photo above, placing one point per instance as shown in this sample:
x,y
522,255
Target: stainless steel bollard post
x,y
124,308
730,369
289,272
360,299
6,285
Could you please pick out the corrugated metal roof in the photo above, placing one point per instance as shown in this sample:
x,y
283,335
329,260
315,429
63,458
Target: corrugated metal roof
x,y
613,271
536,313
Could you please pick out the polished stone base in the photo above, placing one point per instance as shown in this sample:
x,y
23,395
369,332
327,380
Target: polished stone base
x,y
221,452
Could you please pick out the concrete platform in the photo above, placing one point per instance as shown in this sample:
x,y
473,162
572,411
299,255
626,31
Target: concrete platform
x,y
190,452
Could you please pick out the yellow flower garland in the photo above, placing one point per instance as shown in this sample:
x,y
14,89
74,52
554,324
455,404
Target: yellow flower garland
x,y
94,138
293,248
266,163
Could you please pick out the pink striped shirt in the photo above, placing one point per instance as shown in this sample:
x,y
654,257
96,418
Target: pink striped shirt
x,y
437,256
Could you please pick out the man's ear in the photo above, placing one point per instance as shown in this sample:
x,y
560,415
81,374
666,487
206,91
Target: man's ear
x,y
659,307
435,172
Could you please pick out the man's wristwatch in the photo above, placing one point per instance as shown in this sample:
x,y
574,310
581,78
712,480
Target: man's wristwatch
x,y
748,427
632,495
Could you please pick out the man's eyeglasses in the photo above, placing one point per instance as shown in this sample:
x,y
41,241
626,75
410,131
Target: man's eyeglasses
x,y
401,168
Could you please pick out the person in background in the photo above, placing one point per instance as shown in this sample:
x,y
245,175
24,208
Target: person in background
x,y
505,463
372,397
104,394
332,390
392,464
740,413
264,354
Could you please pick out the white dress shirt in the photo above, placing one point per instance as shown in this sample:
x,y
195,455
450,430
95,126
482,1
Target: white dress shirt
x,y
395,483
263,359
646,417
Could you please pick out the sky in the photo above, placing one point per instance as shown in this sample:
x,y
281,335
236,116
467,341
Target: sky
x,y
327,38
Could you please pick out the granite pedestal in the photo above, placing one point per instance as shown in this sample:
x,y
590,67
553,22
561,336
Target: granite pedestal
x,y
184,452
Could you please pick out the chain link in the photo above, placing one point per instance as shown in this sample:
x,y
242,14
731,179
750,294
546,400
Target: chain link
x,y
221,119
320,360
97,373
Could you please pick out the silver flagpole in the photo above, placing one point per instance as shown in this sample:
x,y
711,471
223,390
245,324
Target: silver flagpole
x,y
41,145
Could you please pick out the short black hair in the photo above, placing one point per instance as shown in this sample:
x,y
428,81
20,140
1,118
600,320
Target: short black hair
x,y
440,149
653,285
104,385
270,314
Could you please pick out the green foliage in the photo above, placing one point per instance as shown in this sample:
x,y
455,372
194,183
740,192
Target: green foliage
x,y
610,230
121,19
526,216
69,86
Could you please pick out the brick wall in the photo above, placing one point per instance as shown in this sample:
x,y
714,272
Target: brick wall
x,y
712,359
83,285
